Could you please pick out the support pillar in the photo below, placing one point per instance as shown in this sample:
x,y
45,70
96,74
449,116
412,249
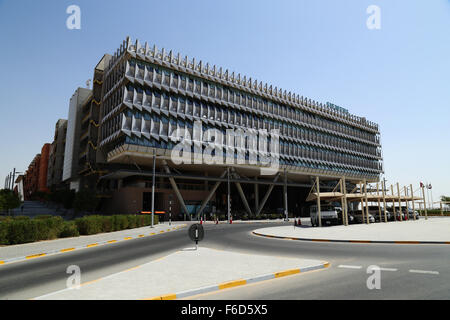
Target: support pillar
x,y
367,204
177,191
213,190
318,202
256,196
393,203
379,204
266,196
344,190
244,200
412,198
399,202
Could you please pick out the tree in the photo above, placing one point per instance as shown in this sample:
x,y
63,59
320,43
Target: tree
x,y
8,200
85,200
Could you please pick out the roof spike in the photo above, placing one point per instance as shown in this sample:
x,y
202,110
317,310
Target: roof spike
x,y
260,86
155,50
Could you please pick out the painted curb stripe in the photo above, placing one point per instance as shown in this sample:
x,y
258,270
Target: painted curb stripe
x,y
6,261
232,284
240,282
351,241
286,273
35,256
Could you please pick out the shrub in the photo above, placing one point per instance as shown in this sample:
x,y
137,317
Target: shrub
x,y
107,224
21,218
120,222
131,221
3,233
69,229
89,225
22,231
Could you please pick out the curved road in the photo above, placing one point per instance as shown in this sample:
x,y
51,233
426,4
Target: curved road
x,y
408,271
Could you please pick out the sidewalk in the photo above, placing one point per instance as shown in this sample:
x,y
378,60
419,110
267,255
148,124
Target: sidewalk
x,y
31,250
431,231
187,273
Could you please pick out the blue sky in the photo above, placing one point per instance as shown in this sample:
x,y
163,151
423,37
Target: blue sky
x,y
398,76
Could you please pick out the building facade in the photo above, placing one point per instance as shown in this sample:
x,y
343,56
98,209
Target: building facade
x,y
145,101
56,156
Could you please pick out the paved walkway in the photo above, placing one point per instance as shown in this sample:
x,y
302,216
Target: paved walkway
x,y
433,230
22,251
186,273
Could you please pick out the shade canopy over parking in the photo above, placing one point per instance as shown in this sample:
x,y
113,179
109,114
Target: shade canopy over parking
x,y
365,193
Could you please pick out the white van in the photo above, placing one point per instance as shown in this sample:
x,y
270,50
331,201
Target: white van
x,y
329,215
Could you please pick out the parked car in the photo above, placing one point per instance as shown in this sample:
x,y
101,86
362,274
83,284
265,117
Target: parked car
x,y
410,212
351,219
358,217
375,212
397,214
329,215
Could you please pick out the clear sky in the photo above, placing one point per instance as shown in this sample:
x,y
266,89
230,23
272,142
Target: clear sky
x,y
397,76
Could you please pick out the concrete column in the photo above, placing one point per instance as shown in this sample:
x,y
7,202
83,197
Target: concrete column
x,y
393,203
378,198
367,204
406,201
412,198
256,196
318,202
384,201
345,201
399,202
342,203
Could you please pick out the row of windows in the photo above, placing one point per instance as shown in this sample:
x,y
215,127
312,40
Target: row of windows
x,y
160,125
148,72
178,104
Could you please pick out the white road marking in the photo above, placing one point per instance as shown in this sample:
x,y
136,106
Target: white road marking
x,y
388,269
424,271
349,267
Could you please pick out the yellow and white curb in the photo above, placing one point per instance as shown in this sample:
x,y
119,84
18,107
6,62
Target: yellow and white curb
x,y
239,282
95,244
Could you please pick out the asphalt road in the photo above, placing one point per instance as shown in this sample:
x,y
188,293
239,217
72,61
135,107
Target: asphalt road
x,y
409,271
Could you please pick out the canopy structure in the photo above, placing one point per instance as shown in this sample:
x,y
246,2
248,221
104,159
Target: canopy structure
x,y
365,193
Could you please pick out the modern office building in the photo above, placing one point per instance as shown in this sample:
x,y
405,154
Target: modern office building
x,y
35,178
56,156
147,102
72,148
